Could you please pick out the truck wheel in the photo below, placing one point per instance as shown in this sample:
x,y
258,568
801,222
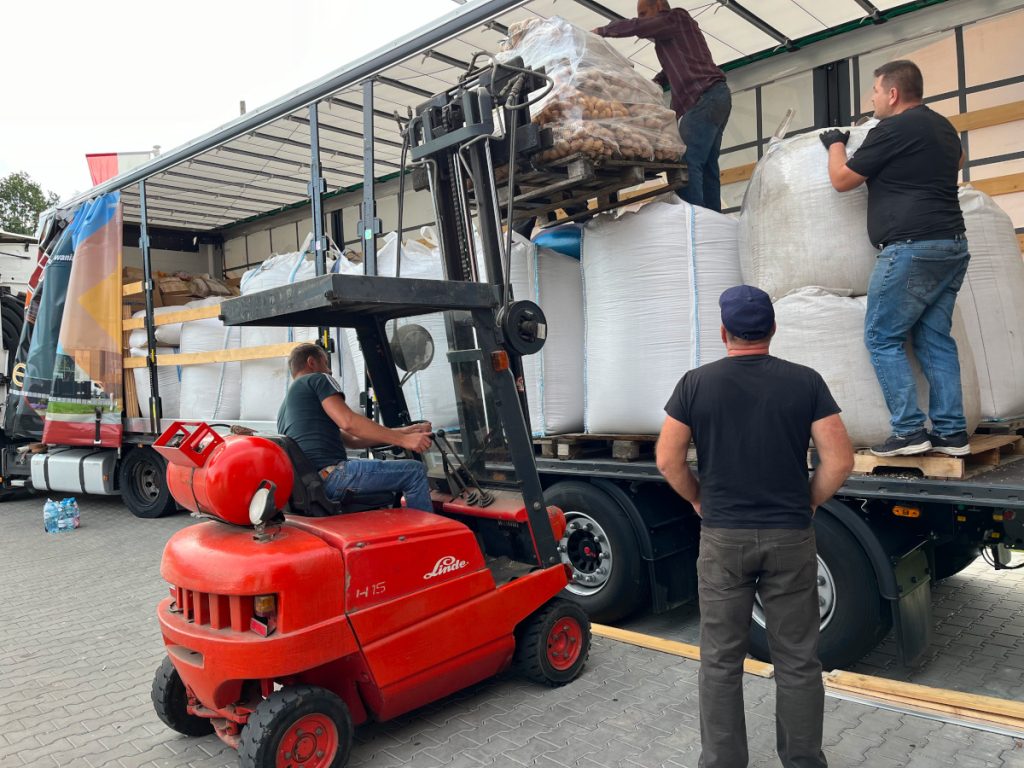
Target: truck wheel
x,y
609,578
143,481
298,725
853,617
12,317
171,703
553,644
952,557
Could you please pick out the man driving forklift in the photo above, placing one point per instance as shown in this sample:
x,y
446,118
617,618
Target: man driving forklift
x,y
314,414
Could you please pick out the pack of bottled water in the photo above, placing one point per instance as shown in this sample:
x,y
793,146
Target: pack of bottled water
x,y
60,516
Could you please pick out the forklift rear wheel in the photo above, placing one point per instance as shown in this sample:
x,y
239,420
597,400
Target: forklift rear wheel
x,y
609,579
143,481
298,725
553,644
853,616
171,703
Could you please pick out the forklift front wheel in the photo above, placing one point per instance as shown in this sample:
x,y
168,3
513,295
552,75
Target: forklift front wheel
x,y
298,725
553,644
170,701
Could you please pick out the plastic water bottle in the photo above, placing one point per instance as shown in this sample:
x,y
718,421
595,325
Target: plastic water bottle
x,y
51,513
69,516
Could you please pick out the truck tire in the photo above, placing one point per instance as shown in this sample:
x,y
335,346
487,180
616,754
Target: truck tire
x,y
12,317
952,557
854,617
609,577
143,480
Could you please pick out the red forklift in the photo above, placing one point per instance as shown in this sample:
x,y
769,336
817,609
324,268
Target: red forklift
x,y
293,617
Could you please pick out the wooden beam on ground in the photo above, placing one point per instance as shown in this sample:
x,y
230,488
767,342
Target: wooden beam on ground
x,y
168,318
988,117
1000,185
265,352
685,650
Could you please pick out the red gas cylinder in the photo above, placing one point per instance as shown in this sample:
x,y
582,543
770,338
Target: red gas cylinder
x,y
218,476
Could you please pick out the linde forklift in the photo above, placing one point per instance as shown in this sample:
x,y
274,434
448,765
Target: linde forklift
x,y
293,617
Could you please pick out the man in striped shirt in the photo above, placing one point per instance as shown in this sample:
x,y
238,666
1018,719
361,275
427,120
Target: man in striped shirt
x,y
700,95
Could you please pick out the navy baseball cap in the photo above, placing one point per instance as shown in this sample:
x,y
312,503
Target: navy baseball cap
x,y
747,312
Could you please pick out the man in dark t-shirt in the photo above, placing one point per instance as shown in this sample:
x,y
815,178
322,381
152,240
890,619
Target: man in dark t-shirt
x,y
910,162
751,417
314,414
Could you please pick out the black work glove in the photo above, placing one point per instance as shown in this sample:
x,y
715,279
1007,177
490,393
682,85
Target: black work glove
x,y
830,137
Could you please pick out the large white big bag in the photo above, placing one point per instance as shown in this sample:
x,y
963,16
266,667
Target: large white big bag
x,y
991,304
554,376
168,380
651,284
209,391
796,230
825,331
166,335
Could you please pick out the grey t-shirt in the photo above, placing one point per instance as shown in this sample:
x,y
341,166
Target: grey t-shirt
x,y
302,418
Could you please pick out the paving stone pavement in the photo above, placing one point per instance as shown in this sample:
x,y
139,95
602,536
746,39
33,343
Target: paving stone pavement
x,y
79,643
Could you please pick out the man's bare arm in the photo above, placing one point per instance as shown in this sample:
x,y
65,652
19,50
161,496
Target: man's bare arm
x,y
357,442
835,455
842,178
370,432
673,444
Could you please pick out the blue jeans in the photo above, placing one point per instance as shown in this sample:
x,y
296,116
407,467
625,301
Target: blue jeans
x,y
912,291
701,128
375,476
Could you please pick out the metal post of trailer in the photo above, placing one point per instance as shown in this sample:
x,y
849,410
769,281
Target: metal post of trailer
x,y
317,187
369,225
155,406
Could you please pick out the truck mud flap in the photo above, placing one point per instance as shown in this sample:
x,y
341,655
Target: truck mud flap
x,y
912,612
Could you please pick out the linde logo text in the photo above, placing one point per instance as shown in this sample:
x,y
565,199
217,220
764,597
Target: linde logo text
x,y
445,565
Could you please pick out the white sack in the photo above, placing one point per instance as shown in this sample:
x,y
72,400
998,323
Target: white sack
x,y
168,380
651,285
554,376
825,332
796,230
991,304
166,335
210,391
265,382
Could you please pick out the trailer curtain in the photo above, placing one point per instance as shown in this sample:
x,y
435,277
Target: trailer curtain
x,y
86,391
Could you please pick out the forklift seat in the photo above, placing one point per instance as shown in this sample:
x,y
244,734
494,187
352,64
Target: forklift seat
x,y
308,496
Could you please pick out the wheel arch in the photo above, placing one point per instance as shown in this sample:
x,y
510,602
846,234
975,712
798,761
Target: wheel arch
x,y
869,542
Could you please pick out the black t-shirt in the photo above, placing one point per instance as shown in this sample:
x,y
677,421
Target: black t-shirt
x,y
911,161
751,419
302,418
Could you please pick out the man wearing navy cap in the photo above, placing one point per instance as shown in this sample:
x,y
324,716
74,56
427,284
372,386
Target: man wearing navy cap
x,y
751,417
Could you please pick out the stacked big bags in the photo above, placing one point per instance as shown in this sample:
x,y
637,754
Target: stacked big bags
x,y
651,285
990,301
211,391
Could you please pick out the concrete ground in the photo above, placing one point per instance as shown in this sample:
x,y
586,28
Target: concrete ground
x,y
79,644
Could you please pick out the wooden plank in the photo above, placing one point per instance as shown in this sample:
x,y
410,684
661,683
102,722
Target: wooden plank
x,y
988,117
265,352
168,318
685,650
929,466
1000,185
738,173
130,289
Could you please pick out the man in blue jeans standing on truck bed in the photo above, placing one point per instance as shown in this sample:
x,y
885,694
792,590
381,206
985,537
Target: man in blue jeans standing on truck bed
x,y
910,162
700,96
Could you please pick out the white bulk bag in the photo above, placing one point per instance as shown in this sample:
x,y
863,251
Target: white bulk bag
x,y
796,230
991,304
166,335
825,331
210,391
168,380
651,283
265,382
554,376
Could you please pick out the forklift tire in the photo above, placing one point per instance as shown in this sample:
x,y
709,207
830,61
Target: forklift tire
x,y
610,579
854,616
298,725
553,643
143,480
171,703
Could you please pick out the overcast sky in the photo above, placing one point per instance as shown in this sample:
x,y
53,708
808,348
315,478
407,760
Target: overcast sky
x,y
119,76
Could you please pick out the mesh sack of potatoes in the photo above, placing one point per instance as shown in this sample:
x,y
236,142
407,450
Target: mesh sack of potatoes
x,y
599,106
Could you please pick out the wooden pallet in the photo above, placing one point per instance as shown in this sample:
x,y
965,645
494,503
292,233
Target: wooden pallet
x,y
987,452
1002,427
578,446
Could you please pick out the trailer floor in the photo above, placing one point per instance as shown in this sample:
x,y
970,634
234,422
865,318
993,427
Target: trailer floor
x,y
80,643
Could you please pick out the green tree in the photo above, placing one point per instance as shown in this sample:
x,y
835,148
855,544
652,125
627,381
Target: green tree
x,y
21,202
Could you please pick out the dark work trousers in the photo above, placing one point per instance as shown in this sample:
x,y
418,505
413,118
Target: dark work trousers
x,y
781,566
701,128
